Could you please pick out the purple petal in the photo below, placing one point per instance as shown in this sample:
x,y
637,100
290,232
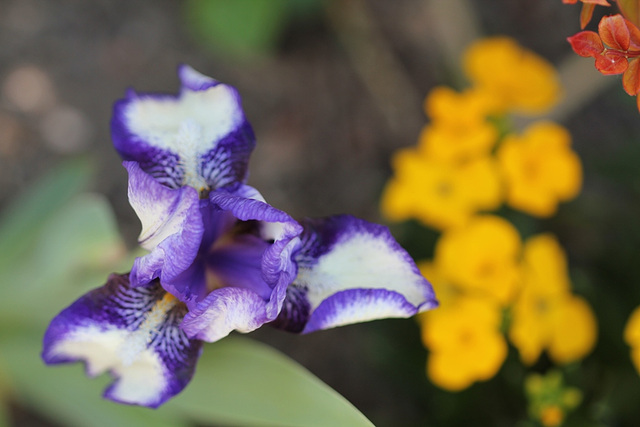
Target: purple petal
x,y
350,270
249,271
172,227
274,225
246,204
193,80
200,138
225,310
133,333
239,264
358,305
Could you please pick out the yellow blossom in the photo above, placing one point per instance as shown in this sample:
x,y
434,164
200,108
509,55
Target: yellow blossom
x,y
540,169
632,337
546,315
450,108
464,341
482,257
440,195
444,289
459,128
517,78
449,144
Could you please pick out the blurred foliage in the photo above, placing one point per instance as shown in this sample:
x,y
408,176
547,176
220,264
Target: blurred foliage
x,y
244,28
57,242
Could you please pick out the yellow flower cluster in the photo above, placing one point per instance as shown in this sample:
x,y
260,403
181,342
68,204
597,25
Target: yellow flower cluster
x,y
547,315
463,164
488,281
519,79
492,285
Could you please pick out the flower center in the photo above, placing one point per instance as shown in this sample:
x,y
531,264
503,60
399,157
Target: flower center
x,y
139,339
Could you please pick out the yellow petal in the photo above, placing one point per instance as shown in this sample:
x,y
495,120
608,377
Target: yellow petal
x,y
575,331
482,257
632,330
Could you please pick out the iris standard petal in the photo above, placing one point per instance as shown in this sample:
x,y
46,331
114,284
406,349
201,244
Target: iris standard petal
x,y
350,270
172,226
134,334
200,138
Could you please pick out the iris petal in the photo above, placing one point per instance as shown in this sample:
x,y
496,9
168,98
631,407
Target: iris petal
x,y
225,310
350,271
275,226
133,333
249,297
172,227
200,138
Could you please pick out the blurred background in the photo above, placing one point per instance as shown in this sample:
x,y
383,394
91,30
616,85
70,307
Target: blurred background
x,y
332,89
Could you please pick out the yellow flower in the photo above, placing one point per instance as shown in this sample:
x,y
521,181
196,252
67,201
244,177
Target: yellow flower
x,y
632,337
517,78
540,169
464,341
451,108
482,257
449,144
444,289
439,195
547,316
459,128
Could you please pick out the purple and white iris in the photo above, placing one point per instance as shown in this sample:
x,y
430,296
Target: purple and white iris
x,y
219,257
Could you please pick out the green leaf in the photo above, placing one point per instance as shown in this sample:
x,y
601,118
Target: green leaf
x,y
25,217
74,251
243,382
65,395
240,27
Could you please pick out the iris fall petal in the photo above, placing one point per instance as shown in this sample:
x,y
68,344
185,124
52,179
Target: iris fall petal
x,y
132,333
350,271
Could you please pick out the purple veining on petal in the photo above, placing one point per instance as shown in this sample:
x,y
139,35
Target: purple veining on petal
x,y
199,137
226,165
160,163
295,312
126,331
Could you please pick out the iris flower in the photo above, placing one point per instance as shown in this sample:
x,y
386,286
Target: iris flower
x,y
220,257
